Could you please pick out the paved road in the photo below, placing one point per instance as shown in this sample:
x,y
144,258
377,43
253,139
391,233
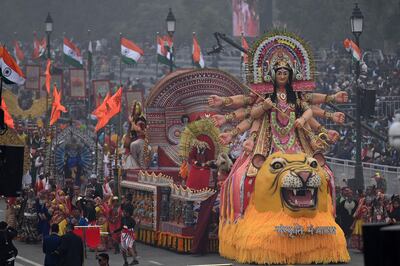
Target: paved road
x,y
149,256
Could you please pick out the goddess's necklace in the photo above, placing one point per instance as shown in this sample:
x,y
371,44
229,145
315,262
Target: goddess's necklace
x,y
282,96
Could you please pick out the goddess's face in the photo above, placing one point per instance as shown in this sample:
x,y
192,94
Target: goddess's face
x,y
282,77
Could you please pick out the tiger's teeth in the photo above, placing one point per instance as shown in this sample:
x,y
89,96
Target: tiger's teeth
x,y
295,192
311,202
295,202
312,192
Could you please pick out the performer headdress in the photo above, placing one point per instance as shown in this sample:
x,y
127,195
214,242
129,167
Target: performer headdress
x,y
280,49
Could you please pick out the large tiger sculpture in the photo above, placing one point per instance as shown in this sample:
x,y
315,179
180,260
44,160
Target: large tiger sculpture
x,y
289,218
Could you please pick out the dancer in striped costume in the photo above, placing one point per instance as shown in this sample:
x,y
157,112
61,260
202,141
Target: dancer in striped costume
x,y
128,236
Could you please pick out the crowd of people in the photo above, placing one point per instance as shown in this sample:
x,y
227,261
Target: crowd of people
x,y
355,208
52,213
381,75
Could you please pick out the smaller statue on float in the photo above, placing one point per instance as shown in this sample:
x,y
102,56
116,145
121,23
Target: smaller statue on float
x,y
73,161
136,139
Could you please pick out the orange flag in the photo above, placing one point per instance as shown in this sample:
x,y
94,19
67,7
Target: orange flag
x,y
57,107
245,45
48,76
7,117
101,109
115,103
112,107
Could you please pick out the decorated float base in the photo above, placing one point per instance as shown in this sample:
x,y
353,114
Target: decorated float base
x,y
174,242
168,212
306,241
288,220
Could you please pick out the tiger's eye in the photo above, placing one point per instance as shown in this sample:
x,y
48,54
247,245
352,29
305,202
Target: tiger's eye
x,y
314,164
277,165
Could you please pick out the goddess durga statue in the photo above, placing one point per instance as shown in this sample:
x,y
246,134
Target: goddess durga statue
x,y
279,111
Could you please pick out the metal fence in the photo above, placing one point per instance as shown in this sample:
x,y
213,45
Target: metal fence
x,y
344,169
387,105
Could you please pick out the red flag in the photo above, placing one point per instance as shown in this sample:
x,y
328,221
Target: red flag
x,y
92,235
112,107
7,117
48,76
19,54
245,45
57,107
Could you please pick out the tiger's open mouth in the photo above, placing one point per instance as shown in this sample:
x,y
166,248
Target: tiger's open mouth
x,y
300,198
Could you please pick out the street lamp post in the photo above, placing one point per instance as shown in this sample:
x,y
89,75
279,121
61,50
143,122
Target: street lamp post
x,y
171,22
356,20
49,29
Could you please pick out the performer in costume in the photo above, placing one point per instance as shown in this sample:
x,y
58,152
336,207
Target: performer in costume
x,y
137,138
43,215
114,222
10,216
30,219
127,230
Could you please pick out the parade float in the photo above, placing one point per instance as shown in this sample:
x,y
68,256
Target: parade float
x,y
276,204
178,185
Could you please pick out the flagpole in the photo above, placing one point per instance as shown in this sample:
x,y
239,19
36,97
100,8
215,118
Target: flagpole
x,y
15,51
89,68
3,127
1,89
51,162
47,113
110,171
157,55
120,60
62,49
34,44
119,125
54,159
96,152
117,148
193,36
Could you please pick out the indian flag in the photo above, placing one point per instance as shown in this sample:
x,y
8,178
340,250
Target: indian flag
x,y
197,57
72,54
39,47
351,47
161,51
165,48
130,52
18,53
10,71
